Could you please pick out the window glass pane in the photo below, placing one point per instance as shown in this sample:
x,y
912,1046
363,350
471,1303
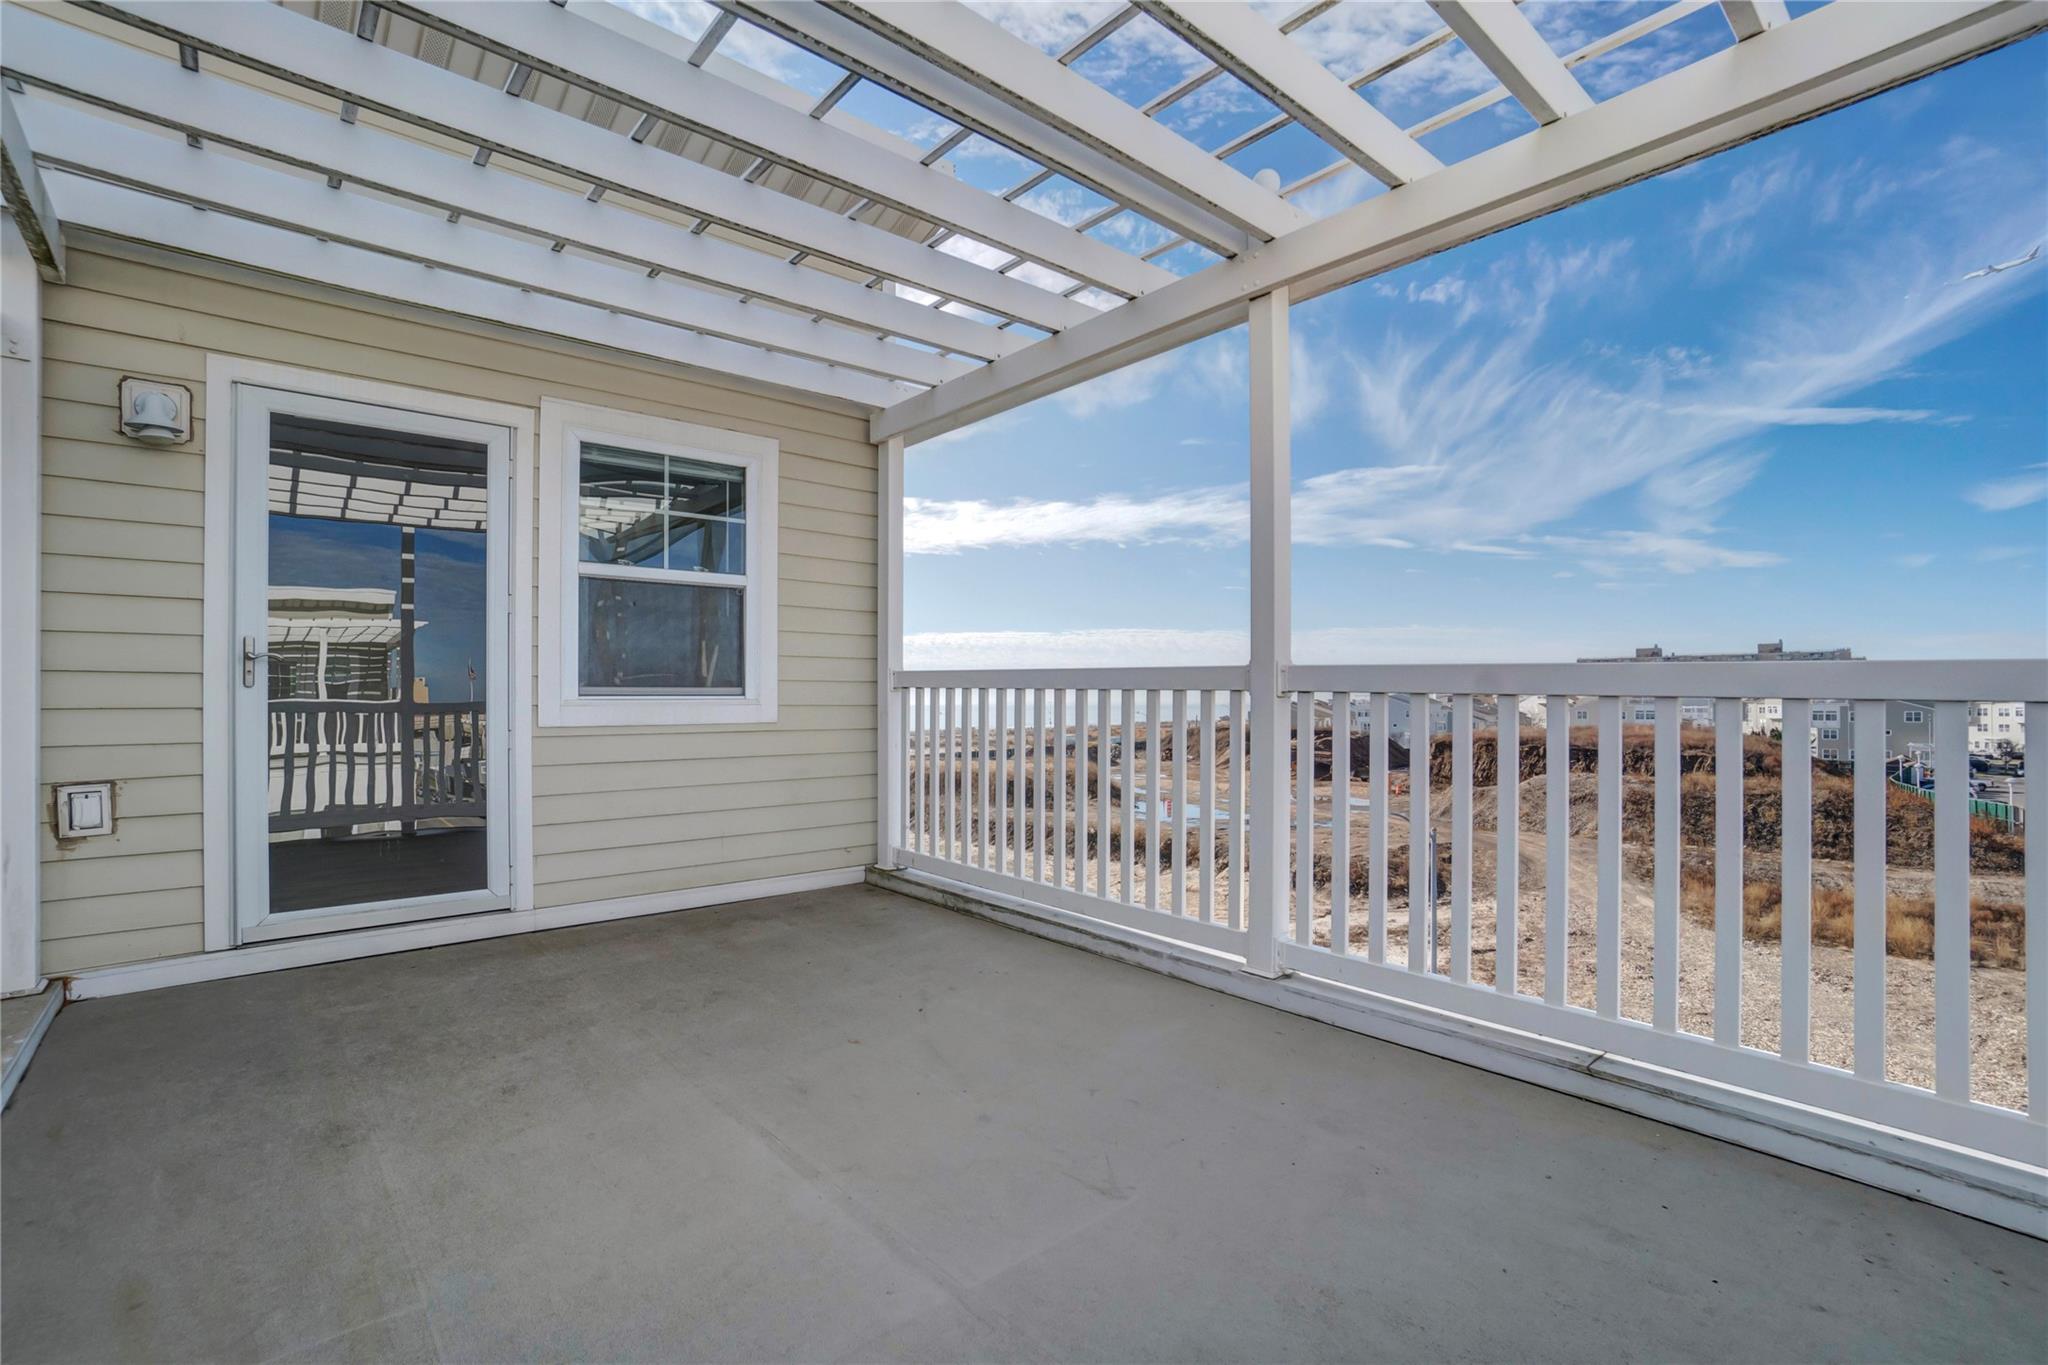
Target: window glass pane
x,y
713,546
620,517
700,488
660,637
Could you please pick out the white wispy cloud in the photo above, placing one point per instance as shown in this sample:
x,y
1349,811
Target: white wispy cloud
x,y
2030,485
931,526
1481,429
1918,560
1811,416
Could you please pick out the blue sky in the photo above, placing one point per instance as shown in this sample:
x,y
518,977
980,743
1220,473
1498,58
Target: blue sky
x,y
1752,399
448,588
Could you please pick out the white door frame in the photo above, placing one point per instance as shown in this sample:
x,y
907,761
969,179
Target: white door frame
x,y
229,380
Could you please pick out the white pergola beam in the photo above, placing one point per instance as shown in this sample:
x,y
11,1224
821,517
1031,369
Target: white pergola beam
x,y
47,53
77,141
970,104
34,216
1237,39
1509,46
304,51
128,214
950,35
1833,56
572,48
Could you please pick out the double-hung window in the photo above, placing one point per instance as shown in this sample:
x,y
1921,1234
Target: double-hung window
x,y
658,594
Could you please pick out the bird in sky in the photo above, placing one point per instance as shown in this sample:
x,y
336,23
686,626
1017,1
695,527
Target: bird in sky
x,y
2004,265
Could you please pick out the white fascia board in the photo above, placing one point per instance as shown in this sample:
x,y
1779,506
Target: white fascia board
x,y
1509,46
70,60
304,51
34,217
49,54
839,39
156,163
954,37
552,40
1830,57
1236,38
137,217
1747,18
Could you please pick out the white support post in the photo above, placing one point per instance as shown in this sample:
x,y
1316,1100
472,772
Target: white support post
x,y
21,373
888,649
1272,627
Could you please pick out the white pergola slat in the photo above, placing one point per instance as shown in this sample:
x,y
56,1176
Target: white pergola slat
x,y
975,49
61,57
1501,36
1237,39
137,217
552,39
148,161
293,48
970,104
1748,18
1830,57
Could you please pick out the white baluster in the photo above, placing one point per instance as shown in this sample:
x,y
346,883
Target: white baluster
x,y
1507,840
1952,899
1795,865
1340,822
1607,866
1665,927
1870,915
1728,871
1557,827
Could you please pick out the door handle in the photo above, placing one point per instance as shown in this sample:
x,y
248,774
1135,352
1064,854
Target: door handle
x,y
250,654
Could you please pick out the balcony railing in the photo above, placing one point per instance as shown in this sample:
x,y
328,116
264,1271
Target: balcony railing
x,y
369,762
1071,789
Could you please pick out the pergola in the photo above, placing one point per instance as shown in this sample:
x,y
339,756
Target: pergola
x,y
572,169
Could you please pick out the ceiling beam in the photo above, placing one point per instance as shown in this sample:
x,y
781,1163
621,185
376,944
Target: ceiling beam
x,y
1509,46
156,163
133,216
304,51
1747,18
1833,56
970,104
1236,38
952,36
50,54
27,198
563,44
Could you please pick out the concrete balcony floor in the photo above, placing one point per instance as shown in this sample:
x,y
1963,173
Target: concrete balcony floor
x,y
848,1125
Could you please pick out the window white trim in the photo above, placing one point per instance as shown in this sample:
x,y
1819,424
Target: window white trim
x,y
563,427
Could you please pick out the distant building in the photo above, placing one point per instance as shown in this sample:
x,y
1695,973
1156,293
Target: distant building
x,y
1771,651
1998,727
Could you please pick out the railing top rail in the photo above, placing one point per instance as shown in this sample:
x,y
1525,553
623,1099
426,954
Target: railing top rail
x,y
1200,678
1926,680
391,704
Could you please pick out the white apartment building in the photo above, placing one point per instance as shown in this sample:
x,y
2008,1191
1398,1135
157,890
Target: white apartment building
x,y
1997,727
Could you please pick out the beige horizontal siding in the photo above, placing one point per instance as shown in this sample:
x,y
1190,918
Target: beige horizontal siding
x,y
617,812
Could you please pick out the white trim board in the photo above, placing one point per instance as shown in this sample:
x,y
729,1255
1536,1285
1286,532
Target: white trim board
x,y
285,954
219,660
2001,1192
21,798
